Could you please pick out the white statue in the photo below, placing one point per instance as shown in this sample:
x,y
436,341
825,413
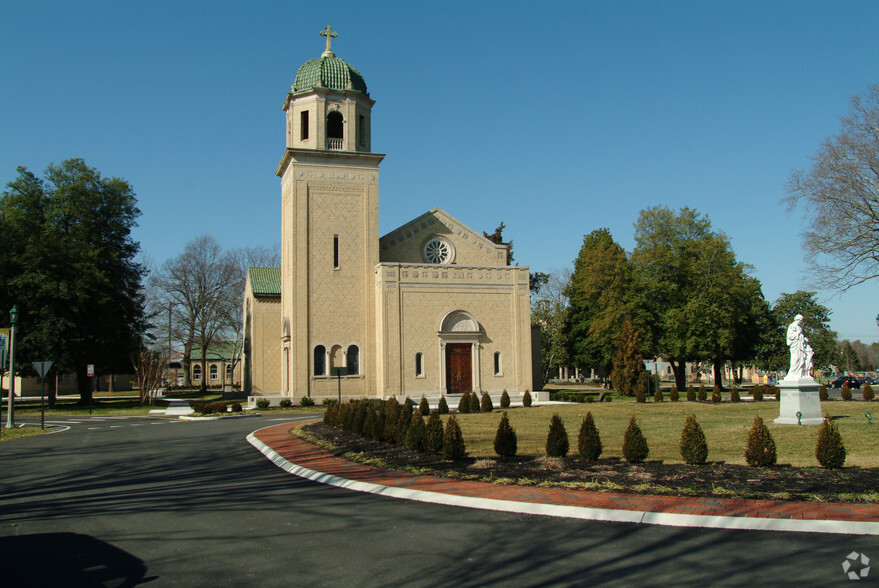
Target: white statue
x,y
800,350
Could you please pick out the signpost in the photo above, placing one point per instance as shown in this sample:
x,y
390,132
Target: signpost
x,y
90,372
42,368
338,371
4,347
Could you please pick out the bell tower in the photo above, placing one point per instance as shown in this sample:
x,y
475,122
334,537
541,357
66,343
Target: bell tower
x,y
329,235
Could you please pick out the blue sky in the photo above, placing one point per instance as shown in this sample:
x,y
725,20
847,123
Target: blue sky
x,y
555,117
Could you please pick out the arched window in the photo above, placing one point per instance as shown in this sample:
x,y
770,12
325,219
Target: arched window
x,y
335,130
228,370
353,360
320,360
498,367
196,372
213,371
419,364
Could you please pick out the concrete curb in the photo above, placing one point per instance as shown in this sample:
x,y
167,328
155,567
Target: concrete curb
x,y
574,512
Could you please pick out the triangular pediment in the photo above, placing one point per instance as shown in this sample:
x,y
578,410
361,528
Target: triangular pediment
x,y
412,242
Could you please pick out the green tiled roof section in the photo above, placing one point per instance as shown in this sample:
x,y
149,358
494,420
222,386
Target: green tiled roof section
x,y
265,281
329,72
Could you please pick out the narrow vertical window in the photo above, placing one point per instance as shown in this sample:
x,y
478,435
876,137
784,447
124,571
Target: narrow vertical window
x,y
320,361
303,125
336,251
361,130
419,365
352,359
497,363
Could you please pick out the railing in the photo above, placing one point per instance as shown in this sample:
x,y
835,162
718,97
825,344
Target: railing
x,y
334,144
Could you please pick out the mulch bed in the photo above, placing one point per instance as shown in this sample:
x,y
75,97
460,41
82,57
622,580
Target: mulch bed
x,y
652,477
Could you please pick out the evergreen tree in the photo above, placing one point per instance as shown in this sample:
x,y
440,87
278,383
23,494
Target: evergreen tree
x,y
830,450
760,450
635,448
627,362
423,406
433,442
475,405
464,403
505,438
453,440
526,399
485,404
416,433
505,400
557,438
443,406
589,441
694,447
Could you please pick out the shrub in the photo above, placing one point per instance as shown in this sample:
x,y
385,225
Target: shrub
x,y
464,403
715,396
694,448
391,409
423,406
526,399
868,391
641,386
285,403
734,395
443,406
775,391
262,403
408,404
368,429
640,394
328,401
505,400
433,437
674,395
635,448
657,396
702,395
379,425
757,393
760,450
589,441
846,391
330,414
691,394
360,413
306,401
475,405
822,392
236,407
557,439
453,440
485,405
403,419
505,438
829,450
415,434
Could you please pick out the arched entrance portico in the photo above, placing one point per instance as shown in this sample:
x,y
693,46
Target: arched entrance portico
x,y
459,336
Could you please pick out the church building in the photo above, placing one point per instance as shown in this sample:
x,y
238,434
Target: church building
x,y
430,308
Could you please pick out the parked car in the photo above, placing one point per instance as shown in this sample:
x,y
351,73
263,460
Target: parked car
x,y
868,380
853,382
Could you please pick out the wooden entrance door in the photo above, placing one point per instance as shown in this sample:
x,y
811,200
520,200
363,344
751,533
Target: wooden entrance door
x,y
459,363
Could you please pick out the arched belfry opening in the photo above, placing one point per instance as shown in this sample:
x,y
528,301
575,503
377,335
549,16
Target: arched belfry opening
x,y
335,130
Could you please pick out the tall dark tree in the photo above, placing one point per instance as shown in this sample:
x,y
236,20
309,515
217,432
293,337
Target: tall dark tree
x,y
603,293
69,265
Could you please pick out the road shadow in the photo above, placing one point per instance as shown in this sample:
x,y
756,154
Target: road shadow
x,y
68,559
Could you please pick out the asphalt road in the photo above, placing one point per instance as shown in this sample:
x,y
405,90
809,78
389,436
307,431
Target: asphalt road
x,y
124,501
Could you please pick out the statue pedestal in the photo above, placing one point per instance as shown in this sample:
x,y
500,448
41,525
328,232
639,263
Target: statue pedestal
x,y
799,395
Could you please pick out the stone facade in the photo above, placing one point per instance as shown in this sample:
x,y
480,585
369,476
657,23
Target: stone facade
x,y
430,308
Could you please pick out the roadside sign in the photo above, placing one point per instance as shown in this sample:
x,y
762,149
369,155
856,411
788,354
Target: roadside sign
x,y
4,348
42,367
90,370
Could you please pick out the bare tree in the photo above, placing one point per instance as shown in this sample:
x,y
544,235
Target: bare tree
x,y
840,198
148,367
200,290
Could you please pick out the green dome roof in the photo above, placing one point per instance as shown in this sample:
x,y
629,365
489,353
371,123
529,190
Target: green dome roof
x,y
329,71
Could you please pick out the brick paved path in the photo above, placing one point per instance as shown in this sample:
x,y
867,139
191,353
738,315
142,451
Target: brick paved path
x,y
306,455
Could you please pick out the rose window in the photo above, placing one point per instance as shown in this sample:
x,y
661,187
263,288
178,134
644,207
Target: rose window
x,y
437,250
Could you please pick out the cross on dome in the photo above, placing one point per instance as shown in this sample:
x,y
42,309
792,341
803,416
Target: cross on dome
x,y
328,33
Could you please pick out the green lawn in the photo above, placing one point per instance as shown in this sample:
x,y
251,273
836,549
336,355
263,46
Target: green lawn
x,y
103,405
19,432
725,425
